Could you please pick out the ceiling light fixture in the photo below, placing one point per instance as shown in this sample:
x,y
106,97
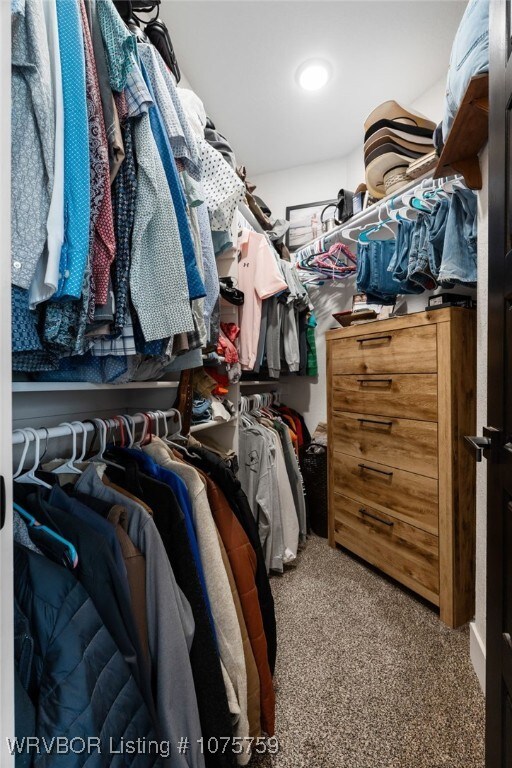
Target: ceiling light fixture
x,y
313,75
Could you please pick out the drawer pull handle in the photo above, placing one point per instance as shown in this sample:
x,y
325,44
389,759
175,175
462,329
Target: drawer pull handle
x,y
374,469
365,512
375,421
374,338
374,381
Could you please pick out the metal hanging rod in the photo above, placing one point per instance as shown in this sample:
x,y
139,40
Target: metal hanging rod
x,y
64,431
365,217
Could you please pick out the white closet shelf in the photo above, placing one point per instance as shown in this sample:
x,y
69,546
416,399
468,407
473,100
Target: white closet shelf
x,y
368,214
210,424
68,386
269,384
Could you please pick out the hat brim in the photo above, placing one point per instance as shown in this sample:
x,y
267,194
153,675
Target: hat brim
x,y
405,131
391,110
385,137
391,147
378,167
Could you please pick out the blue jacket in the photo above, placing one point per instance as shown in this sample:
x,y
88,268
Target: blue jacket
x,y
75,676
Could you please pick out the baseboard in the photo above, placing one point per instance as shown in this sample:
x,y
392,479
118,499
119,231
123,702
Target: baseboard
x,y
477,652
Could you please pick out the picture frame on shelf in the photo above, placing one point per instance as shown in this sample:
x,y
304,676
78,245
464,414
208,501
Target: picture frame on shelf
x,y
305,223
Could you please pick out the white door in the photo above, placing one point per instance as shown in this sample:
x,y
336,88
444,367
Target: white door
x,y
6,585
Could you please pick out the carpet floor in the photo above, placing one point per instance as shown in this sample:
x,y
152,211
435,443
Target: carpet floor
x,y
367,676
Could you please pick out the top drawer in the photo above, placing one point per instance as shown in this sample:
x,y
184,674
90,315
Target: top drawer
x,y
409,350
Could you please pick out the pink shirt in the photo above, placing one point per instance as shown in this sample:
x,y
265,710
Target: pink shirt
x,y
258,277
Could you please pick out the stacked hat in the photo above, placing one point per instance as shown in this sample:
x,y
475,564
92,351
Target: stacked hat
x,y
394,137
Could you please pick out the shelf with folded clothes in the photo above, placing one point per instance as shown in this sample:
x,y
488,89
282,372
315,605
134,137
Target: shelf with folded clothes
x,y
80,386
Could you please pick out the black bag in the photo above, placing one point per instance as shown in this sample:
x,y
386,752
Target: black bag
x,y
344,207
159,36
314,474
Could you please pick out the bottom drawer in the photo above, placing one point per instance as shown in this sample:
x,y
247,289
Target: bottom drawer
x,y
404,552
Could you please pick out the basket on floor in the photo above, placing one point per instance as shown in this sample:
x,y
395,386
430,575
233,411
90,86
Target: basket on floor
x,y
314,472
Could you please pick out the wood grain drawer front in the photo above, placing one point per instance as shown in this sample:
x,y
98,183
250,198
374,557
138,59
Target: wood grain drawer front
x,y
409,350
410,396
410,497
401,443
408,554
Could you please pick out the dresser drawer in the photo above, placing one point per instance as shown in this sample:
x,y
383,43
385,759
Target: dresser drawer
x,y
408,350
408,554
401,443
410,497
411,396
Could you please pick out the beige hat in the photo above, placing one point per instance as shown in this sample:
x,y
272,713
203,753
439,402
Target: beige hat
x,y
391,110
376,170
385,137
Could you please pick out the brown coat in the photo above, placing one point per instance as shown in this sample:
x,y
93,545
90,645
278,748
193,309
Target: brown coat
x,y
253,679
243,563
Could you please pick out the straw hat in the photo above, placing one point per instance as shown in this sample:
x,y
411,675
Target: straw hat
x,y
394,136
385,137
391,147
391,110
382,165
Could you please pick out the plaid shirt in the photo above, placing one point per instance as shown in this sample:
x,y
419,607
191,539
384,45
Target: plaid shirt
x,y
121,345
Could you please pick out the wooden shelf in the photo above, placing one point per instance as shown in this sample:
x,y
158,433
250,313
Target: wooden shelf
x,y
468,135
80,386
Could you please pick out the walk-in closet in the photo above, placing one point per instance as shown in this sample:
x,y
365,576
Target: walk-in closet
x,y
255,384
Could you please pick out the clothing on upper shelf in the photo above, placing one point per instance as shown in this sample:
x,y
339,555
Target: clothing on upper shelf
x,y
168,574
99,109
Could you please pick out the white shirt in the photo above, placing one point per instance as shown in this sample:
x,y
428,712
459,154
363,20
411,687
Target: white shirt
x,y
46,277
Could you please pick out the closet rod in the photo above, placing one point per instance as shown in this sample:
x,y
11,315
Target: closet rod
x,y
64,431
337,235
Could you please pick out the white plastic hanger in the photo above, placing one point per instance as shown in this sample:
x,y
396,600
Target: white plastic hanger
x,y
29,477
26,443
81,425
138,443
68,467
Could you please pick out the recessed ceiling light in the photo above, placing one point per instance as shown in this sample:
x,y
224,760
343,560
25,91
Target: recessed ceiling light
x,y
313,75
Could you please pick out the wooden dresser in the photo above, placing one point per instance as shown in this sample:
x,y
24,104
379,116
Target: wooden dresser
x,y
401,397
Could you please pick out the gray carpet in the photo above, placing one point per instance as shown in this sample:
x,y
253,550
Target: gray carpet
x,y
367,676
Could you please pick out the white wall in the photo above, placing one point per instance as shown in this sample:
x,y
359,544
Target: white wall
x,y
302,184
321,181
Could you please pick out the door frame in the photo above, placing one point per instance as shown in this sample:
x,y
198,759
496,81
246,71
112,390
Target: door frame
x,y
6,552
500,220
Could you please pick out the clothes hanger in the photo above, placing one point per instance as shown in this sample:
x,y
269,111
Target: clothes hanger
x,y
26,443
29,477
146,431
30,520
81,425
100,456
182,448
68,467
102,428
382,225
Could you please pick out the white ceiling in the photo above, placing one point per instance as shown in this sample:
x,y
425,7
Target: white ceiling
x,y
241,57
